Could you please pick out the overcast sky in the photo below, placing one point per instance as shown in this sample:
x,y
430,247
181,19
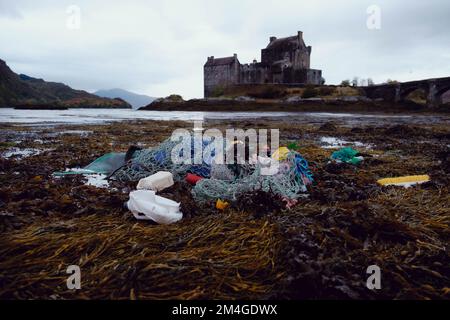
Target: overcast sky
x,y
159,47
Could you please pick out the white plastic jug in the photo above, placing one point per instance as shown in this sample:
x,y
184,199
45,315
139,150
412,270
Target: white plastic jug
x,y
146,205
156,182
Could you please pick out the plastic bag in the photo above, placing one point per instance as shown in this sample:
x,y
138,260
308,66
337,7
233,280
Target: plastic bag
x,y
146,205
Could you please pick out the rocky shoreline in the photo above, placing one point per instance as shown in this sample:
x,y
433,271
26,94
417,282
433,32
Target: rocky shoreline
x,y
292,104
40,107
320,249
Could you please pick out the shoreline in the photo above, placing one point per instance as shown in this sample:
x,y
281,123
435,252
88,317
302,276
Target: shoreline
x,y
260,105
27,118
347,215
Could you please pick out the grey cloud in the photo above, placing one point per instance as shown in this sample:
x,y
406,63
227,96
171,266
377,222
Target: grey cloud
x,y
159,47
9,10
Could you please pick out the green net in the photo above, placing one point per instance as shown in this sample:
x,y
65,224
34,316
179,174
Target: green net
x,y
290,181
221,181
149,161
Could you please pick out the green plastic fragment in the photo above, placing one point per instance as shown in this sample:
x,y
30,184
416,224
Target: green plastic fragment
x,y
347,155
106,164
293,146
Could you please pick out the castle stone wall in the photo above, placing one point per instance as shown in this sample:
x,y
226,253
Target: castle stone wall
x,y
283,61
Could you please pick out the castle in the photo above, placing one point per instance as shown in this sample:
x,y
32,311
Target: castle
x,y
283,61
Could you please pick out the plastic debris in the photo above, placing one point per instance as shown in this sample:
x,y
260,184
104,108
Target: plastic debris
x,y
406,181
293,146
280,154
193,178
290,203
106,165
289,181
146,205
156,182
347,155
221,172
97,180
149,161
221,205
222,181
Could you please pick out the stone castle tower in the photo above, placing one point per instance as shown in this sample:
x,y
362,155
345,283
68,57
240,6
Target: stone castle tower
x,y
283,61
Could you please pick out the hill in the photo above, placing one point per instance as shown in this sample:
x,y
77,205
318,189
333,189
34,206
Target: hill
x,y
25,90
136,100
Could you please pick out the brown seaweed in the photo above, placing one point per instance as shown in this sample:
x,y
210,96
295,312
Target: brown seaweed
x,y
255,249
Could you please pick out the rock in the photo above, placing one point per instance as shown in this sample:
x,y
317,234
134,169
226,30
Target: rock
x,y
294,99
350,99
328,126
244,98
313,99
174,98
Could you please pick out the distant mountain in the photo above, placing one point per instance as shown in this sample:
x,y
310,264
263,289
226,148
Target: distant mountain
x,y
25,90
136,100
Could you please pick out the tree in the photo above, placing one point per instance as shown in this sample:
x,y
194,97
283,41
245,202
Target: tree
x,y
345,83
355,81
390,81
370,82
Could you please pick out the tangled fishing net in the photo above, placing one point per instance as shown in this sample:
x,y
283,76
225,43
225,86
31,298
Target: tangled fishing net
x,y
289,182
149,161
222,181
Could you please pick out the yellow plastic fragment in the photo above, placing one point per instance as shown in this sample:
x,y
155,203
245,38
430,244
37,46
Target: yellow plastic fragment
x,y
406,180
221,205
280,154
37,179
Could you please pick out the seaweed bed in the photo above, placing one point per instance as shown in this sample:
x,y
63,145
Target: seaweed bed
x,y
255,249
